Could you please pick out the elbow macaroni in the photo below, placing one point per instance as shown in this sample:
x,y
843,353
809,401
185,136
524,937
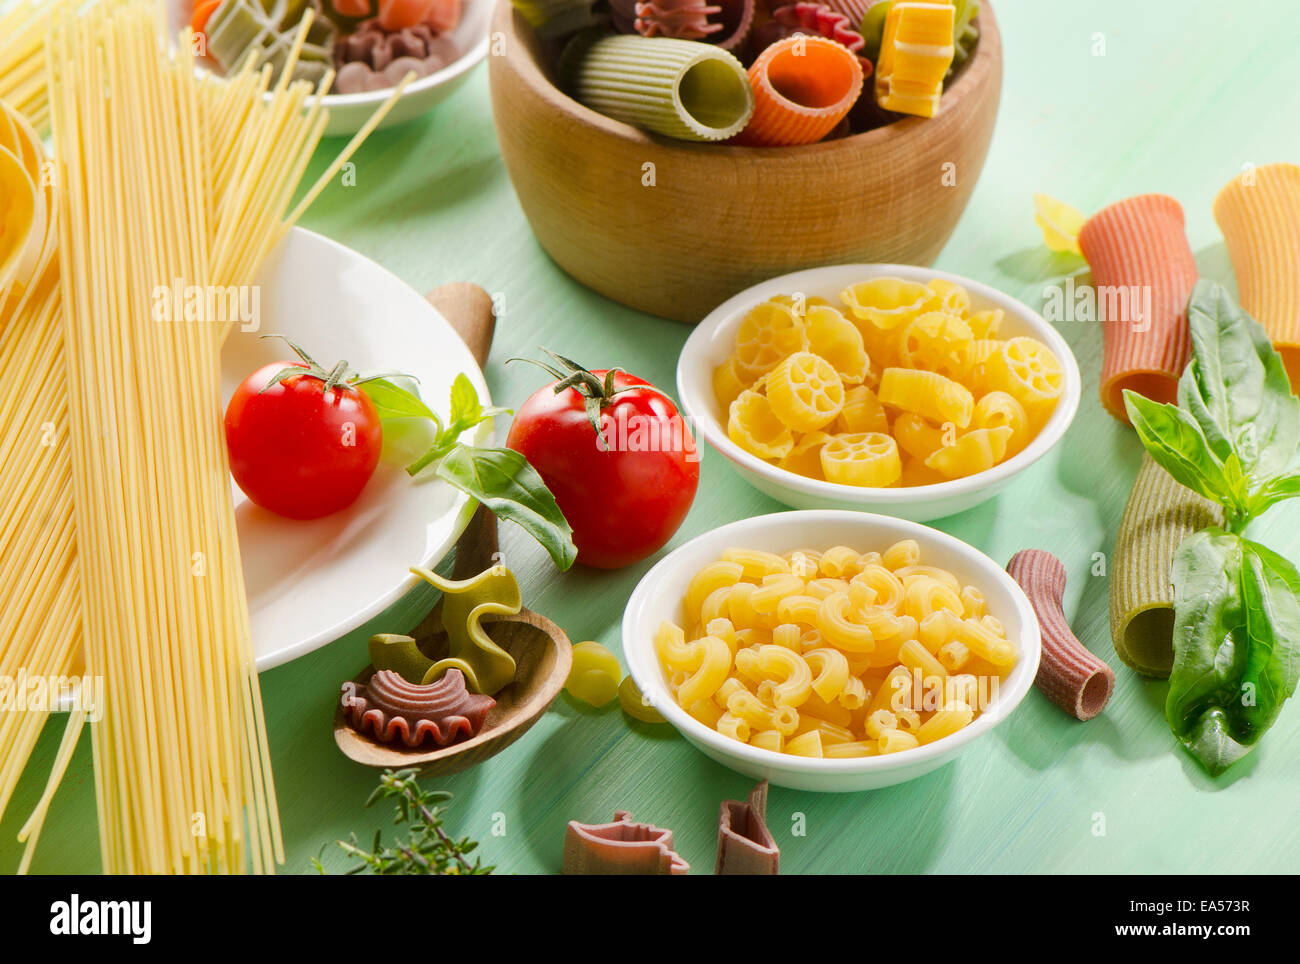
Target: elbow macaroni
x,y
833,653
907,385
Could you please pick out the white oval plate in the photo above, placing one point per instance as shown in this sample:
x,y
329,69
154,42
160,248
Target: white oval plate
x,y
714,338
661,591
348,112
309,583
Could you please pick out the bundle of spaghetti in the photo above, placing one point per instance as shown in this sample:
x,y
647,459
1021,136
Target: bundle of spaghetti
x,y
164,178
1259,214
1143,271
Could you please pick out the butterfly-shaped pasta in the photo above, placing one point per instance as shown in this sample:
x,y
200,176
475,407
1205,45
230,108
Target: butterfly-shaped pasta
x,y
769,332
862,412
805,391
1027,370
998,409
753,426
887,302
728,384
833,337
938,342
806,457
927,394
976,451
866,459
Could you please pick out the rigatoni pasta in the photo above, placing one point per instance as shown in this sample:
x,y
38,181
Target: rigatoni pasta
x,y
803,87
833,653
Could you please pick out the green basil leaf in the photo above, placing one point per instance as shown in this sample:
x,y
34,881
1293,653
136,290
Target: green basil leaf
x,y
466,411
503,481
1236,644
393,401
1175,442
1275,490
1236,387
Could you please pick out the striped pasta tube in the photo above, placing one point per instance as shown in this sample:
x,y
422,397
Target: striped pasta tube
x,y
1068,674
803,87
1259,215
1143,271
1160,514
679,88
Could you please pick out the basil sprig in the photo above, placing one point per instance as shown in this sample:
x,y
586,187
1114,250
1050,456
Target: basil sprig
x,y
499,478
1232,438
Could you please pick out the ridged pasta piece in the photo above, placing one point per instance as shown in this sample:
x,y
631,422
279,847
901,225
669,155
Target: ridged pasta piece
x,y
917,437
768,333
1138,246
986,323
839,562
1068,674
975,451
999,410
728,383
1159,515
865,459
915,54
755,427
786,679
756,563
1027,370
927,394
861,412
679,88
802,87
805,392
838,340
887,303
715,575
939,342
1259,214
805,457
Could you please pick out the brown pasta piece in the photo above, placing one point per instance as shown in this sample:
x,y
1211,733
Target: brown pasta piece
x,y
621,847
745,845
390,709
1068,674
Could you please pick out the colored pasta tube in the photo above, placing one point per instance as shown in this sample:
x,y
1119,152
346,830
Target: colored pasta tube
x,y
1143,272
916,51
1159,515
679,88
1259,215
803,87
1068,674
745,845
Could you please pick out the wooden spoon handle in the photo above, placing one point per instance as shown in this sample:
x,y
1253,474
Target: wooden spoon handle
x,y
469,310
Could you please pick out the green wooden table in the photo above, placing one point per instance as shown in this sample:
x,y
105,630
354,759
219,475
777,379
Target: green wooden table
x,y
1101,100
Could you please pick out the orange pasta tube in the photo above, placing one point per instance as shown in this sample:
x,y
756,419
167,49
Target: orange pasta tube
x,y
1259,215
803,87
1143,272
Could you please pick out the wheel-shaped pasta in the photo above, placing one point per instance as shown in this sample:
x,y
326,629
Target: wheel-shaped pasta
x,y
753,426
952,297
867,459
771,331
805,391
1027,370
938,342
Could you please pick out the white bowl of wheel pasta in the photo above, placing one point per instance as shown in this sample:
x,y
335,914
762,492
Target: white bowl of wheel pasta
x,y
830,650
889,388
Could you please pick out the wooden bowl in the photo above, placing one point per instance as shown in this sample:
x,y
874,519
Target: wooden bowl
x,y
720,219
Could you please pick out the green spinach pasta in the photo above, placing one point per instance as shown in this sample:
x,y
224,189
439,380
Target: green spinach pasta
x,y
1159,515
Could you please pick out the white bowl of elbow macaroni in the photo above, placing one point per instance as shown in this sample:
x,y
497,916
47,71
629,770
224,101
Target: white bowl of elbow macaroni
x,y
660,597
714,339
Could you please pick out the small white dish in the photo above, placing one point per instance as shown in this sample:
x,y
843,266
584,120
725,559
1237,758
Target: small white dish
x,y
348,112
310,582
659,596
713,341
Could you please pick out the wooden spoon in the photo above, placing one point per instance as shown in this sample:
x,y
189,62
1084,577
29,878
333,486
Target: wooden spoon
x,y
540,648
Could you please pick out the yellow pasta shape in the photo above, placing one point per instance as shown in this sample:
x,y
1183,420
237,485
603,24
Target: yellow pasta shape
x,y
887,302
953,656
716,575
748,707
728,383
943,723
953,298
923,596
723,629
972,602
717,605
806,456
806,744
784,676
975,451
885,587
768,740
854,696
937,628
839,562
877,721
985,643
939,342
985,324
836,628
831,669
904,553
729,724
754,426
845,751
918,569
710,672
707,712
774,588
789,636
769,332
803,562
895,741
917,437
1027,370
998,410
833,337
862,411
915,657
755,563
830,733
927,394
805,392
867,459
801,609
823,586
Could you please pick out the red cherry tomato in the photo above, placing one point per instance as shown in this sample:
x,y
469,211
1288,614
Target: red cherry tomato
x,y
297,450
624,502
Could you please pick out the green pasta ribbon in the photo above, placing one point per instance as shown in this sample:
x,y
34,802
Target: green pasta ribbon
x,y
493,592
678,88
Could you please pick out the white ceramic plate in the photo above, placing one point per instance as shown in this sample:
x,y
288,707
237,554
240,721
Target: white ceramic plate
x,y
308,583
348,112
714,339
660,593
